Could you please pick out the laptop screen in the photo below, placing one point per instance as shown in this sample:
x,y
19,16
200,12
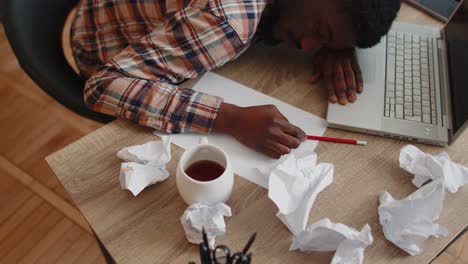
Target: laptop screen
x,y
457,46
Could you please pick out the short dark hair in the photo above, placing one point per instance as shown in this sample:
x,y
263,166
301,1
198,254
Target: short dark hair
x,y
372,19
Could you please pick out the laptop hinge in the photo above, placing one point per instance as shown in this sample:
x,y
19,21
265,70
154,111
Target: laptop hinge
x,y
444,83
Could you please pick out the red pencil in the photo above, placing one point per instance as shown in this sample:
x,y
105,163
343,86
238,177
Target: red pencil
x,y
338,140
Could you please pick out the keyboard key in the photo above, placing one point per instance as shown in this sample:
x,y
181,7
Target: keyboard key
x,y
426,118
399,111
412,118
390,67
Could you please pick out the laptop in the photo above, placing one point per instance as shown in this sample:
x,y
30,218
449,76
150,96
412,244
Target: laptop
x,y
415,84
441,9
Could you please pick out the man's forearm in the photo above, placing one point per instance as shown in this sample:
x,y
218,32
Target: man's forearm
x,y
225,118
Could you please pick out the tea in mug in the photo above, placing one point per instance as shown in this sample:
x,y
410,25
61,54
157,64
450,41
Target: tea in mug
x,y
204,170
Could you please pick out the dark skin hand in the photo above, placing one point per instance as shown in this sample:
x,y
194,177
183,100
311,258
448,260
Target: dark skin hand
x,y
262,128
323,28
341,73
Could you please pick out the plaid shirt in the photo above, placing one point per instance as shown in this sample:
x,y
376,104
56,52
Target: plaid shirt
x,y
135,53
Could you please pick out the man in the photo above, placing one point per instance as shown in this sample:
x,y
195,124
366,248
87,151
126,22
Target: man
x,y
136,53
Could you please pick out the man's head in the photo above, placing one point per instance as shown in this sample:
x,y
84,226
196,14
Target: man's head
x,y
335,24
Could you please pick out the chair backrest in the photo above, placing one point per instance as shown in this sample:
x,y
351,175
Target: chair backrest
x,y
34,30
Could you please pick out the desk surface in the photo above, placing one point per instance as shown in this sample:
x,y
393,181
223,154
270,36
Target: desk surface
x,y
147,229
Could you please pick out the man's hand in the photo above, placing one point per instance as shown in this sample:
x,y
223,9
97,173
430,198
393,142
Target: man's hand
x,y
341,72
262,128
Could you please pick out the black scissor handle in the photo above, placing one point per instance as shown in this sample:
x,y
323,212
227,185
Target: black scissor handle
x,y
222,255
239,258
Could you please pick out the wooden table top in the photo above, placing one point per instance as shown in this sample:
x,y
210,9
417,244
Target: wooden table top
x,y
147,229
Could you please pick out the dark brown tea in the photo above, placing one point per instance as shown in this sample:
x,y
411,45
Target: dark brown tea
x,y
204,170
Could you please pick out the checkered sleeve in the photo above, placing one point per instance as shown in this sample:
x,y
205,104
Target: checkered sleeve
x,y
142,82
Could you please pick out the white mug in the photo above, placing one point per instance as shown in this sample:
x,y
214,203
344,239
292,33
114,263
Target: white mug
x,y
205,192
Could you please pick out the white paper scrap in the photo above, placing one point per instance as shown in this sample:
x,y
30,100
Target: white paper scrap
x,y
427,167
409,222
199,216
135,177
294,184
146,164
325,235
152,153
245,160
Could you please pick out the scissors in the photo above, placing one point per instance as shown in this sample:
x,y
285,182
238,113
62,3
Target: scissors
x,y
222,254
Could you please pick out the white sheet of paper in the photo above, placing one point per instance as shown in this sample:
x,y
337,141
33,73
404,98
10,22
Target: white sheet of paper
x,y
427,167
245,160
211,218
407,223
325,235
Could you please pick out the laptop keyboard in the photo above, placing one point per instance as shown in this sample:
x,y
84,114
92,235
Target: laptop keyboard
x,y
410,89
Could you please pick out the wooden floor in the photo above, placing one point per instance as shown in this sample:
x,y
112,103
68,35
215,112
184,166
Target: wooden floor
x,y
38,223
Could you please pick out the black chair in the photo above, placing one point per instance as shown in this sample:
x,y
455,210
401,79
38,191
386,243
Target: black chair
x,y
34,31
